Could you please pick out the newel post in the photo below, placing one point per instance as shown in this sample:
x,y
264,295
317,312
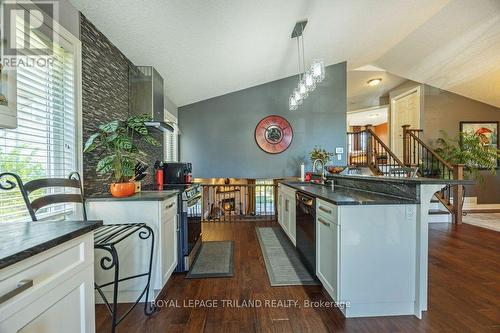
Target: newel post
x,y
406,153
458,193
369,144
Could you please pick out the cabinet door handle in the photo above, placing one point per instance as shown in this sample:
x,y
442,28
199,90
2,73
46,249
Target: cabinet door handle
x,y
323,222
329,211
170,206
286,205
21,286
177,224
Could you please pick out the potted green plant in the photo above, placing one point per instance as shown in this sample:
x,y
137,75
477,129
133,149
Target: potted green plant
x,y
117,142
321,154
468,149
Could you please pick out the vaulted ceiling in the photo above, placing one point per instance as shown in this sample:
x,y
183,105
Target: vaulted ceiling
x,y
205,48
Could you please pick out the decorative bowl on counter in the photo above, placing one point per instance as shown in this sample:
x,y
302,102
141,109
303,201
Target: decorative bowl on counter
x,y
335,169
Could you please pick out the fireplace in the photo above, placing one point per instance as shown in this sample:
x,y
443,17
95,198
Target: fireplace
x,y
229,204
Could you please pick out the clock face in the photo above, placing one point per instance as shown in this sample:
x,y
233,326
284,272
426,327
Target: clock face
x,y
273,134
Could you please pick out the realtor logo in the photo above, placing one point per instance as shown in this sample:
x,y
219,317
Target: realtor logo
x,y
27,27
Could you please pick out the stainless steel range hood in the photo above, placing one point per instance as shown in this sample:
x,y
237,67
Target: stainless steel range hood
x,y
146,96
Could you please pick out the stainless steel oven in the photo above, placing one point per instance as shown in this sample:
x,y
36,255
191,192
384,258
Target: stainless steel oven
x,y
306,230
193,214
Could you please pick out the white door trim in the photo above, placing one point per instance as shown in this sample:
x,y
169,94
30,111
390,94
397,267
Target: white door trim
x,y
392,130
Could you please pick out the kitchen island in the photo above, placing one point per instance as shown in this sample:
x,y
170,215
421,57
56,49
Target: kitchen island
x,y
47,269
371,240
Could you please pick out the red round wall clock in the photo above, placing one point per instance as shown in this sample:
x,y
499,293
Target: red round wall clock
x,y
273,134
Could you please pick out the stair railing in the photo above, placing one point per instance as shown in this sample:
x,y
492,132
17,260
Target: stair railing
x,y
416,153
365,148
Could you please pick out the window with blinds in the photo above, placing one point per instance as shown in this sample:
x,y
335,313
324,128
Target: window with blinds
x,y
171,139
44,143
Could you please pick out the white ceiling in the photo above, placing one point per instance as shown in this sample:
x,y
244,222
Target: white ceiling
x,y
360,95
458,49
372,116
208,48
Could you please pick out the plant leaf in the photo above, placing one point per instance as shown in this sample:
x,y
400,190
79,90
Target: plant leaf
x,y
90,145
110,127
105,165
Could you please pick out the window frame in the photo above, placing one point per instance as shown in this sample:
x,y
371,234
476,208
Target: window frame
x,y
73,44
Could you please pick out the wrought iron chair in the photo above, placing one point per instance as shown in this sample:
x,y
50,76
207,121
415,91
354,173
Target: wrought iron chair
x,y
105,238
73,181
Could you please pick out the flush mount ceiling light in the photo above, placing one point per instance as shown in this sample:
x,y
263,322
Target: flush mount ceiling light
x,y
374,82
308,79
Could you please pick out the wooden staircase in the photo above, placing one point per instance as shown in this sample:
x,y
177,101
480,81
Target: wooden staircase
x,y
366,149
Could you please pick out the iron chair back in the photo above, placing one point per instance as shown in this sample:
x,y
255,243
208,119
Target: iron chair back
x,y
73,181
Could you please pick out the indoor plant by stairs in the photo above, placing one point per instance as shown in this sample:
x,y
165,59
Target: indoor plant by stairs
x,y
116,143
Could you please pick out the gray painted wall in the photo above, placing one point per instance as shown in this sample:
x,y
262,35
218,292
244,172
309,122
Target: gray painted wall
x,y
443,110
218,133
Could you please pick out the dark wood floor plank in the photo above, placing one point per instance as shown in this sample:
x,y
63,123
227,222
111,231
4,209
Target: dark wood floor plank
x,y
464,292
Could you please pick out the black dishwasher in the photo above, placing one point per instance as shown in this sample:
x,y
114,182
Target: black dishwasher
x,y
306,230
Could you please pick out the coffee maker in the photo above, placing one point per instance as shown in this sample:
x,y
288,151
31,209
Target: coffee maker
x,y
176,172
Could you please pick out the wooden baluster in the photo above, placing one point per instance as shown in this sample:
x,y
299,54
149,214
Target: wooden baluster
x,y
458,193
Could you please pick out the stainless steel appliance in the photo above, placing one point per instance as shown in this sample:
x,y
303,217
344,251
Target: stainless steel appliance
x,y
146,96
306,230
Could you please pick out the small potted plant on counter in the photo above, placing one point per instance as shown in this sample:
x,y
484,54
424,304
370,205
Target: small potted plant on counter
x,y
117,145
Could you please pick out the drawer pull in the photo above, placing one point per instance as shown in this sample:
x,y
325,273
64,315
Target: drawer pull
x,y
170,206
323,222
21,286
329,211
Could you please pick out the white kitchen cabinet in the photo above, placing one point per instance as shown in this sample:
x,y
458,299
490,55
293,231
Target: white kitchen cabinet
x,y
286,196
61,298
365,255
328,248
168,240
161,216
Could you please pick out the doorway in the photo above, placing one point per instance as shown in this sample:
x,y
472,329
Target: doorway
x,y
405,110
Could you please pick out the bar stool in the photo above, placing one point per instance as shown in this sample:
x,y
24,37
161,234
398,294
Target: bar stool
x,y
106,237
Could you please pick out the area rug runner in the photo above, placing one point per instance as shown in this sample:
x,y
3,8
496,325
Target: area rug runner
x,y
282,260
215,259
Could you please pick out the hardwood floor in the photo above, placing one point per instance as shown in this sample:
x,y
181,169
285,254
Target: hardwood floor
x,y
464,292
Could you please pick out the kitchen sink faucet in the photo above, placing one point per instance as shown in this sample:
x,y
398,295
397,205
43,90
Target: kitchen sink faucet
x,y
315,169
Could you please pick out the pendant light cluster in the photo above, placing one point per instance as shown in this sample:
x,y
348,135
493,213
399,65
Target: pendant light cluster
x,y
308,79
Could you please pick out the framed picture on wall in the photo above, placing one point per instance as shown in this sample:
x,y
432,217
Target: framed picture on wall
x,y
487,131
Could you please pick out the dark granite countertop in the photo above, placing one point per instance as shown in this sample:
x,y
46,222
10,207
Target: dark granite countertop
x,y
21,240
347,196
141,196
402,180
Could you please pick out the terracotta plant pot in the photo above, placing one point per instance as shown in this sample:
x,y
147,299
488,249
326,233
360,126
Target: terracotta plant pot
x,y
122,190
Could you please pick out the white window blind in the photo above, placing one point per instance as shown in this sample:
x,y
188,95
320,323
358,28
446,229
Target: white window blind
x,y
171,139
44,143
